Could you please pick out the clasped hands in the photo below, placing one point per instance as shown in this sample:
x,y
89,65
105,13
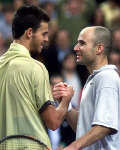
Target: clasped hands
x,y
62,91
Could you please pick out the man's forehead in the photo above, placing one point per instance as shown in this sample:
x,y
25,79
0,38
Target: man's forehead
x,y
86,32
43,25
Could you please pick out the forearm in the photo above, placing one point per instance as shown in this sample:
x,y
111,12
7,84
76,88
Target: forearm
x,y
96,133
72,118
61,111
52,116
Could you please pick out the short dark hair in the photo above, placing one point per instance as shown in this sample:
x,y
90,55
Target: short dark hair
x,y
103,35
27,16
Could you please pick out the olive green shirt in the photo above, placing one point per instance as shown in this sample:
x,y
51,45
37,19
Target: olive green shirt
x,y
24,88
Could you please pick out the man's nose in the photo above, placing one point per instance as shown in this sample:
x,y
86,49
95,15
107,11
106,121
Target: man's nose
x,y
46,38
76,47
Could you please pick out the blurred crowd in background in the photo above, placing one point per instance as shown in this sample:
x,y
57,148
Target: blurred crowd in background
x,y
68,17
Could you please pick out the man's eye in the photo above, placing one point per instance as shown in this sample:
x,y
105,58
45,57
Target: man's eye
x,y
81,43
45,33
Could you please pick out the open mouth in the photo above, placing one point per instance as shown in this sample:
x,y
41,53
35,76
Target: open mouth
x,y
41,46
78,55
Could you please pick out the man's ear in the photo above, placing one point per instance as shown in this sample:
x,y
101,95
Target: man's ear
x,y
100,49
28,33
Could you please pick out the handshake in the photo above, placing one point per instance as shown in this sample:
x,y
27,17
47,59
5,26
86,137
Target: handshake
x,y
62,91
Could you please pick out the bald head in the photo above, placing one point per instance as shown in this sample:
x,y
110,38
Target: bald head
x,y
100,35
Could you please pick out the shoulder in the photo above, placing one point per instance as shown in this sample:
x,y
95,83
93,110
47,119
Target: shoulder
x,y
39,66
27,67
27,63
39,71
107,78
108,74
21,63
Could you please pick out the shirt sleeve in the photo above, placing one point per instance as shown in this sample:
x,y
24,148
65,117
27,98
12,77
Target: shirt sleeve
x,y
106,105
42,86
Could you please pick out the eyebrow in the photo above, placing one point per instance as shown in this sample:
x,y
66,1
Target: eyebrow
x,y
44,33
82,42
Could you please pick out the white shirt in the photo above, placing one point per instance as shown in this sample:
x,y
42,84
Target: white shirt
x,y
100,105
76,83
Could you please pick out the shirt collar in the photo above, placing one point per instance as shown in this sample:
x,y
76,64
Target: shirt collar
x,y
106,67
20,48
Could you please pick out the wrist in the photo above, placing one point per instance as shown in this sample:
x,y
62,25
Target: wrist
x,y
76,145
69,107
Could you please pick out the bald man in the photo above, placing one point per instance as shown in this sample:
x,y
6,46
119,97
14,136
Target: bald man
x,y
97,124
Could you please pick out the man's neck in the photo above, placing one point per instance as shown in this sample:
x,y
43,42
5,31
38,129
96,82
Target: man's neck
x,y
97,65
23,42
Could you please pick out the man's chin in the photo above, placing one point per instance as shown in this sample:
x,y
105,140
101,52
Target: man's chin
x,y
35,52
39,50
79,62
41,47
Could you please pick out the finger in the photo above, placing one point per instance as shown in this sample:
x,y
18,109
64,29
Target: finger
x,y
58,89
65,84
60,94
61,84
